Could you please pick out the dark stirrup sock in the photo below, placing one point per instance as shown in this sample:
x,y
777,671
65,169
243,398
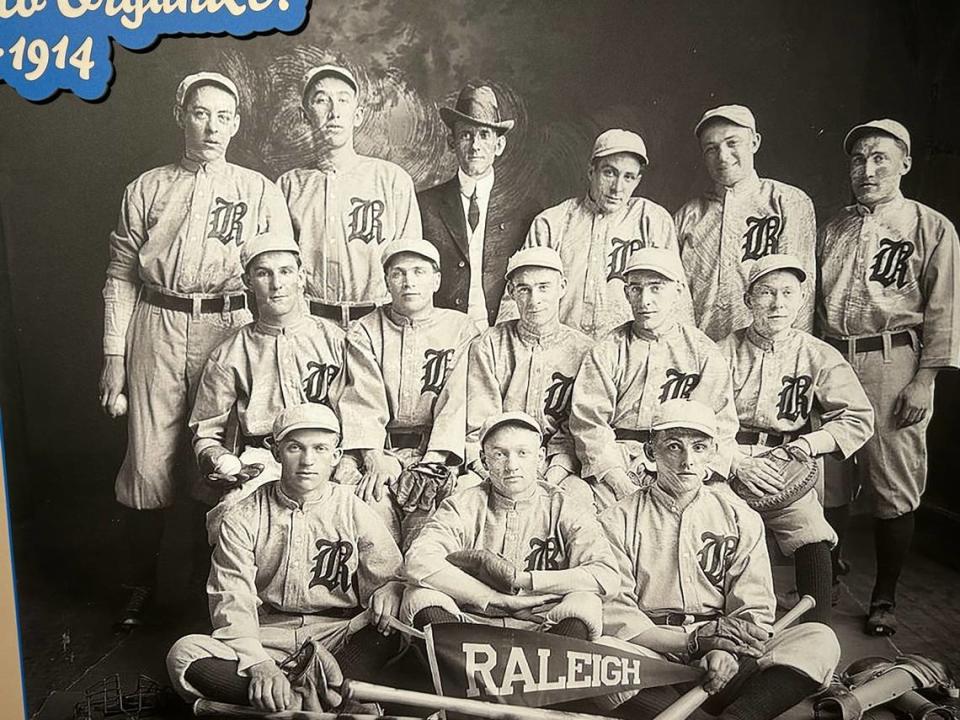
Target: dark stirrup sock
x,y
142,531
571,627
893,545
432,614
366,652
839,519
770,693
812,566
217,679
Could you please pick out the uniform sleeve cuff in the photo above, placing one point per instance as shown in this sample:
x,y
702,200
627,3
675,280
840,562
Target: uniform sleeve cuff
x,y
823,443
114,345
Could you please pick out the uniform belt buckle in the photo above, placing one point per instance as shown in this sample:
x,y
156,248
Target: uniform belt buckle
x,y
762,438
197,307
676,619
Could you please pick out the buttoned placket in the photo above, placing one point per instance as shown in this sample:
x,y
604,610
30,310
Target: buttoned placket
x,y
595,282
287,370
410,352
333,231
650,399
191,250
296,559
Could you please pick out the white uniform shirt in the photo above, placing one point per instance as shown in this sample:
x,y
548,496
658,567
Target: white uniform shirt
x,y
476,302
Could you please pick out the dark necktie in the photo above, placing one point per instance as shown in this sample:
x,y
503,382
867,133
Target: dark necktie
x,y
473,212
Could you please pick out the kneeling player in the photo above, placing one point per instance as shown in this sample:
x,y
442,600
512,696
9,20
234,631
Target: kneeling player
x,y
697,582
297,561
494,552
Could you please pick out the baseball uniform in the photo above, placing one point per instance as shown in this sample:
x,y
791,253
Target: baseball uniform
x,y
779,388
594,248
723,233
342,217
543,533
622,382
282,574
513,368
173,293
683,566
405,388
890,279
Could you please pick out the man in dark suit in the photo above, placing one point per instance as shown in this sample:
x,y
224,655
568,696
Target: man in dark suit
x,y
470,218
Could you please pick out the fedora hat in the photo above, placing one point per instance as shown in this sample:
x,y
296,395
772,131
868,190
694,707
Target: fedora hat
x,y
476,104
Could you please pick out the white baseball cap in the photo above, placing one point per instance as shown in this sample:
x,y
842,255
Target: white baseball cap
x,y
515,417
540,256
657,260
328,70
267,242
686,414
615,141
313,416
423,248
771,263
737,114
884,126
205,78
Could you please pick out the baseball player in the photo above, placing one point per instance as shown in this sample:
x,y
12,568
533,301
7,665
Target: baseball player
x,y
890,283
346,207
783,379
529,364
300,560
638,366
597,233
519,534
285,358
404,396
696,580
740,220
173,293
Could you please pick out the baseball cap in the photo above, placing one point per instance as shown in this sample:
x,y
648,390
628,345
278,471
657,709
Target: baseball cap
x,y
515,417
423,248
329,70
737,114
885,126
206,78
658,260
267,242
616,140
771,263
545,257
306,415
687,414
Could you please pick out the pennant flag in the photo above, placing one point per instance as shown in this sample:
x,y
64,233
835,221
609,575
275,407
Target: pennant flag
x,y
520,667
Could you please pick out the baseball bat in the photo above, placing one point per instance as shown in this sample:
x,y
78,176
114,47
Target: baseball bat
x,y
694,698
211,708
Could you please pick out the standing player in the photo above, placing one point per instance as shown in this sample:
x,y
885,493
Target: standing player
x,y
285,358
302,560
174,292
740,220
890,284
784,381
637,367
473,219
530,364
596,234
404,396
346,207
511,533
696,581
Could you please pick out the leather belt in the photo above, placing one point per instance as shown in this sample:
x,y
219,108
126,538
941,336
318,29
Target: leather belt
x,y
871,343
342,314
255,441
404,439
758,437
625,434
227,303
676,619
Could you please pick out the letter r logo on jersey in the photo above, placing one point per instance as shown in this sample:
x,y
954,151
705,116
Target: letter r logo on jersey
x,y
331,569
678,385
794,399
316,385
716,555
365,221
435,367
225,223
890,263
617,260
556,401
762,237
544,554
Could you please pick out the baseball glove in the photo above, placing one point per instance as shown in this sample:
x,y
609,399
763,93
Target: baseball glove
x,y
222,481
490,569
799,473
736,636
422,486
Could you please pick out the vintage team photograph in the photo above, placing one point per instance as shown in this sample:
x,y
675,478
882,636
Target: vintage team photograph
x,y
515,360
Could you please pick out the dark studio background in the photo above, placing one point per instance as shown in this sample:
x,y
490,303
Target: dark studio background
x,y
809,70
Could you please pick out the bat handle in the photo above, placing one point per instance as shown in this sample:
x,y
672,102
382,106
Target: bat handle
x,y
695,697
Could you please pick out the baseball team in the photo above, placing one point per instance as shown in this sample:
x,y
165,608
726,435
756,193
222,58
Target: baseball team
x,y
400,409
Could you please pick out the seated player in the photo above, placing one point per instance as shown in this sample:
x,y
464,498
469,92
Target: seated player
x,y
638,366
697,584
782,379
285,358
403,401
523,541
529,364
302,559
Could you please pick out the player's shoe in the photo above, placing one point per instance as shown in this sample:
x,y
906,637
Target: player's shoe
x,y
881,620
133,612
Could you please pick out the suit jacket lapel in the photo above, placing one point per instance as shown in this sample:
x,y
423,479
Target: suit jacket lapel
x,y
451,212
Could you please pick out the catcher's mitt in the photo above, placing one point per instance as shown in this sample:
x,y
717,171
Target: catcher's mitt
x,y
221,481
422,486
798,470
490,569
